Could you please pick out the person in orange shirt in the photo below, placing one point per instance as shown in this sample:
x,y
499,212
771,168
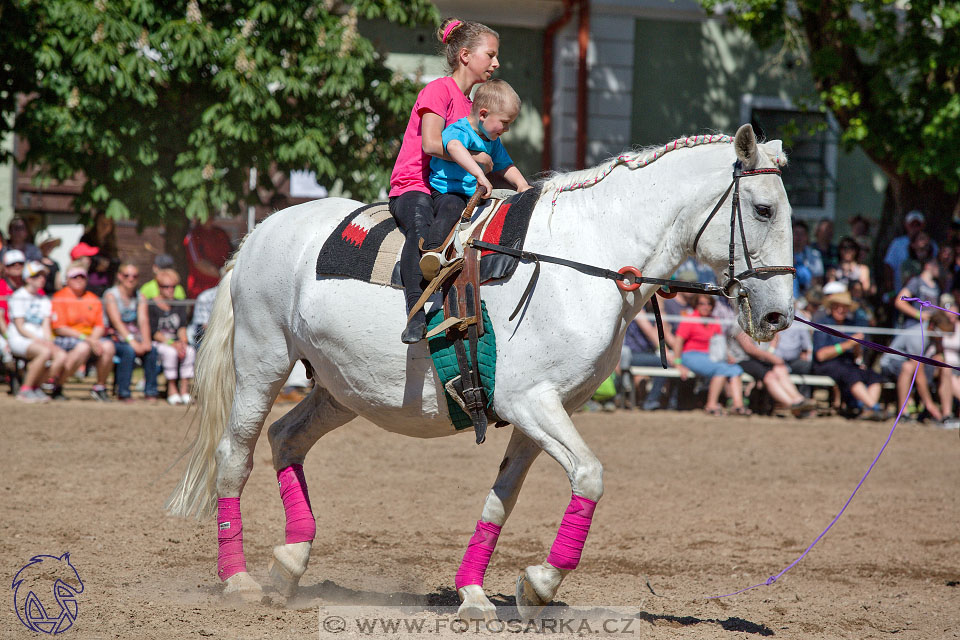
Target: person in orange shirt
x,y
78,327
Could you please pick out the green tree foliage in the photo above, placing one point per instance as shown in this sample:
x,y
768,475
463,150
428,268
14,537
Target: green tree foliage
x,y
888,71
164,105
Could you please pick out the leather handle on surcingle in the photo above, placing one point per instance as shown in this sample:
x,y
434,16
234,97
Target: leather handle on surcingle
x,y
473,202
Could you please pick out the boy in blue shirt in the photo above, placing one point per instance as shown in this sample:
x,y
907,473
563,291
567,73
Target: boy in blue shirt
x,y
495,106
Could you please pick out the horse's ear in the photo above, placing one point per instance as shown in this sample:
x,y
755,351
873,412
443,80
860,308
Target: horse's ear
x,y
745,143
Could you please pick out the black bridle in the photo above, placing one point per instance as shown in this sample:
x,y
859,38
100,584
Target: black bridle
x,y
630,278
736,219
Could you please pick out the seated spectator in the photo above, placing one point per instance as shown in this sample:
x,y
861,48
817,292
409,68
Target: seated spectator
x,y
823,242
923,286
208,249
806,259
201,315
951,344
79,329
641,348
150,290
837,358
29,334
767,367
102,235
692,342
794,345
849,268
860,232
21,239
919,252
899,250
13,261
129,322
900,370
168,327
947,259
48,243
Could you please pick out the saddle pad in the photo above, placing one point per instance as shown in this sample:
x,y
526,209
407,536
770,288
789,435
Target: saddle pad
x,y
445,362
366,244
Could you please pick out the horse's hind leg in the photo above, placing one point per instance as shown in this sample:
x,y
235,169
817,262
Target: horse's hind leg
x,y
543,418
291,437
520,454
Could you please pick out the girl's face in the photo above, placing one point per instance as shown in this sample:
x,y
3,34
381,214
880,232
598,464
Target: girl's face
x,y
482,60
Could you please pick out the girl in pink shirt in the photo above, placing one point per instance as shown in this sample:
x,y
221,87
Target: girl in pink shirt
x,y
471,51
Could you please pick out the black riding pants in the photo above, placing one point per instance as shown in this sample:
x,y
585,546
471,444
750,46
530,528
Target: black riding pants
x,y
413,212
448,208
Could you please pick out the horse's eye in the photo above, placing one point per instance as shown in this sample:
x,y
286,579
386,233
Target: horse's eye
x,y
763,210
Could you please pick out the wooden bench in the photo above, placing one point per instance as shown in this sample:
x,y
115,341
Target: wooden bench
x,y
799,379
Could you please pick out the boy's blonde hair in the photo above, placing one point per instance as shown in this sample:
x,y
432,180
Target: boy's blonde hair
x,y
496,96
168,274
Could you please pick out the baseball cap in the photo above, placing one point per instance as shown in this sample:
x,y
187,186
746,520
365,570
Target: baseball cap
x,y
915,216
76,271
33,268
13,256
163,261
83,250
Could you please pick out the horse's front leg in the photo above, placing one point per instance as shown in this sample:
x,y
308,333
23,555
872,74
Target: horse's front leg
x,y
542,417
520,454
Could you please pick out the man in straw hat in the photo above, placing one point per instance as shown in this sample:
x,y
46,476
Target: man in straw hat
x,y
837,358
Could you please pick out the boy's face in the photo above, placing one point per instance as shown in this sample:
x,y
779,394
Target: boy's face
x,y
496,123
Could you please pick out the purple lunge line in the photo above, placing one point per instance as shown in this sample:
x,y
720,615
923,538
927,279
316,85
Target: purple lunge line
x,y
923,303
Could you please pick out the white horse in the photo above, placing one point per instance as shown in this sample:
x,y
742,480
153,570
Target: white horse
x,y
642,209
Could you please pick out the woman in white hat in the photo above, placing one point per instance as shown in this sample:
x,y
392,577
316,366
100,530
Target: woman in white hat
x,y
30,335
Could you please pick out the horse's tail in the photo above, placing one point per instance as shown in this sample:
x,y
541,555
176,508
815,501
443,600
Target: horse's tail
x,y
214,389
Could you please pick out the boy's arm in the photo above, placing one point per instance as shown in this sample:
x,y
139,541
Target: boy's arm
x,y
514,177
462,157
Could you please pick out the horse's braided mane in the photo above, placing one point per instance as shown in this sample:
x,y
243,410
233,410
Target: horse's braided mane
x,y
560,182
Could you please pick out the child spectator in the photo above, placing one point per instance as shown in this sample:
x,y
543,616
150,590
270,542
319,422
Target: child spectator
x,y
495,106
150,290
29,334
692,342
79,329
168,328
850,269
129,321
923,286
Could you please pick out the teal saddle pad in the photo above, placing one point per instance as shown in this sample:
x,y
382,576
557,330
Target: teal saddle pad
x,y
445,361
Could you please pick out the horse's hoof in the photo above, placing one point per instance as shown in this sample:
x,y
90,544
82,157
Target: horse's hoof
x,y
241,587
475,605
529,602
288,565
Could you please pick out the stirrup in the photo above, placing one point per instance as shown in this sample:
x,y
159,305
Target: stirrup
x,y
431,263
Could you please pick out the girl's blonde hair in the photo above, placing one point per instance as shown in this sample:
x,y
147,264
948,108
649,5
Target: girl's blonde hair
x,y
465,35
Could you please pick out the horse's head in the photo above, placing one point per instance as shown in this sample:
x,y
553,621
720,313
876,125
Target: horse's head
x,y
764,295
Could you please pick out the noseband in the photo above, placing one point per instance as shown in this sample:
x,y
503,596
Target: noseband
x,y
731,288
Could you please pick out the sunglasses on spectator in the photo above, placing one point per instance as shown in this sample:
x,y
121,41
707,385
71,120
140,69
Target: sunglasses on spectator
x,y
78,275
167,286
129,275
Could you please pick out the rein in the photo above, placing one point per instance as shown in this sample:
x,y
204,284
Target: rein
x,y
629,278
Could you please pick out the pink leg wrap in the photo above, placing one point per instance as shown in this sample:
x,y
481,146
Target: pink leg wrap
x,y
477,557
230,558
301,527
566,549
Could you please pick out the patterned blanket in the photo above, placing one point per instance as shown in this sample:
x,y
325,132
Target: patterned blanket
x,y
366,244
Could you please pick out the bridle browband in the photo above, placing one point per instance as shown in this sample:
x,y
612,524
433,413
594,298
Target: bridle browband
x,y
736,219
630,278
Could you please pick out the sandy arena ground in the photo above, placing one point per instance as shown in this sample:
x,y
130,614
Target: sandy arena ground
x,y
694,506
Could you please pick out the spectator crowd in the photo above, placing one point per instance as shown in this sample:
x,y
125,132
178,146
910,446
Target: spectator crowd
x,y
835,286
98,318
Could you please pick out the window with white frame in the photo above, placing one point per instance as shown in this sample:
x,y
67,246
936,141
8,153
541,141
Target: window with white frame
x,y
810,141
